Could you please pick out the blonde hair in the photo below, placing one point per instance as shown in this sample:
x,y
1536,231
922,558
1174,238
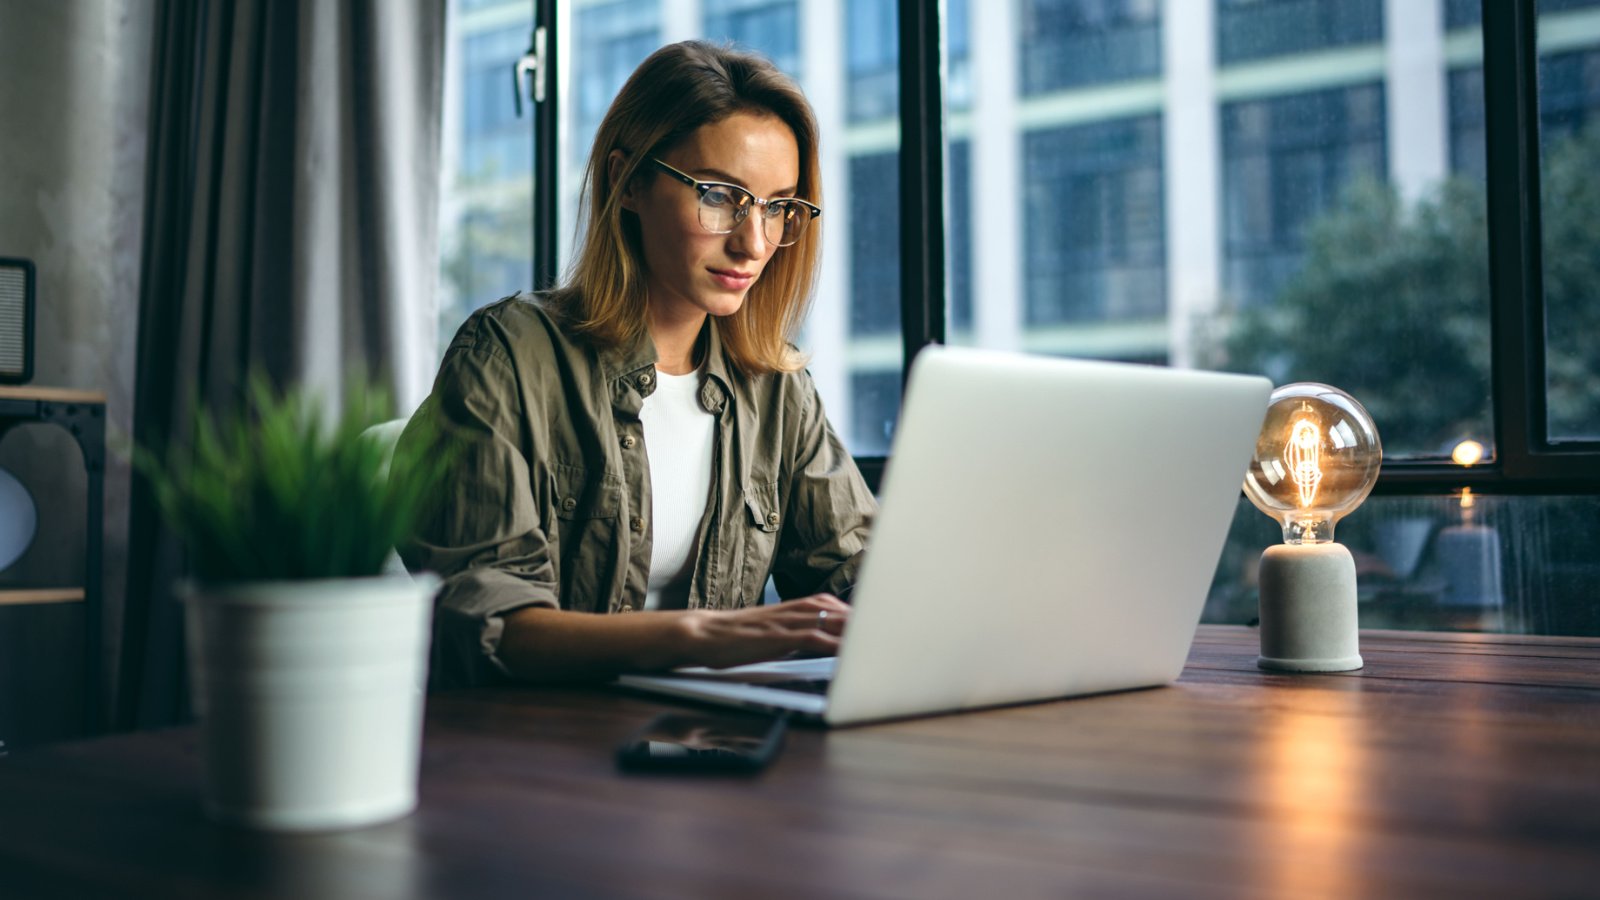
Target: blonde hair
x,y
678,89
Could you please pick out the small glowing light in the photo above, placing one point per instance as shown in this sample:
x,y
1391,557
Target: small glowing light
x,y
1467,499
1303,454
1467,453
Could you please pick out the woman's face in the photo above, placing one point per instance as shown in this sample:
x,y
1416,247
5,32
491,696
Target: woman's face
x,y
689,270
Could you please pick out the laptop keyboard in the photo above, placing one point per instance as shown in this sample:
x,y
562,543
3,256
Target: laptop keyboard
x,y
804,686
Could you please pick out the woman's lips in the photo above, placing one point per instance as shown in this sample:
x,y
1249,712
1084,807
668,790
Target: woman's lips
x,y
731,279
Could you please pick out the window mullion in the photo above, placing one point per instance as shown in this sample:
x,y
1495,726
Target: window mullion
x,y
1511,119
922,250
546,151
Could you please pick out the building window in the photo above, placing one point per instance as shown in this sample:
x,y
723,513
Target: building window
x,y
769,27
1569,95
612,39
958,247
1259,29
875,244
872,59
495,144
1072,43
874,405
1094,229
1467,137
1285,161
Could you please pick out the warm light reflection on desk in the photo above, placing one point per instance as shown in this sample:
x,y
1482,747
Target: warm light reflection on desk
x,y
1315,775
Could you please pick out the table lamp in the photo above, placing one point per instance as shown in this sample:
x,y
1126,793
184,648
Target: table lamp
x,y
1316,459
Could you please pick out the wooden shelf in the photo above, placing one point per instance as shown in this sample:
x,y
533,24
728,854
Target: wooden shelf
x,y
25,596
50,394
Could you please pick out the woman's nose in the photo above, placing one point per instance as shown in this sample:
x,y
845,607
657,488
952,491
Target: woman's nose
x,y
749,237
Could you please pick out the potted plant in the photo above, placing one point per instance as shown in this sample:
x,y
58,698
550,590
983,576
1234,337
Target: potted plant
x,y
308,665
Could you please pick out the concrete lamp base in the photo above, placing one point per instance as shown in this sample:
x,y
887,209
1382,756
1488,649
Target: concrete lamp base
x,y
1308,609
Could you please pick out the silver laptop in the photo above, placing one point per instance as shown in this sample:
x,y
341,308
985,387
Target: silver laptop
x,y
1048,528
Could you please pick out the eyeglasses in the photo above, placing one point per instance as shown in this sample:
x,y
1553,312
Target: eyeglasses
x,y
724,206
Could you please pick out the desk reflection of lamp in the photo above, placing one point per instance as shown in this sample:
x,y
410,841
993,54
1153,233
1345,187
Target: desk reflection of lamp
x,y
1316,460
1469,553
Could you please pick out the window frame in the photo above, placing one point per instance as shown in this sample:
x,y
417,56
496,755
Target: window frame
x,y
1526,460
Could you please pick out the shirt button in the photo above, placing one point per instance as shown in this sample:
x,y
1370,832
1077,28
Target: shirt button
x,y
772,518
569,504
646,379
628,442
636,523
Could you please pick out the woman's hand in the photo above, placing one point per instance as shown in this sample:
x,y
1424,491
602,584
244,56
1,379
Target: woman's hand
x,y
552,645
723,638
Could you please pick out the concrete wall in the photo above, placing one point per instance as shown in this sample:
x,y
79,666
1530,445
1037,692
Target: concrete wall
x,y
74,90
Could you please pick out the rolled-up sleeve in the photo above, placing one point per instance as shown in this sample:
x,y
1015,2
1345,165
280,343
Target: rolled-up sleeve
x,y
484,538
830,509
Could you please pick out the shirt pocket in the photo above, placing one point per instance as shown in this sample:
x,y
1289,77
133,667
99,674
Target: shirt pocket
x,y
586,511
763,521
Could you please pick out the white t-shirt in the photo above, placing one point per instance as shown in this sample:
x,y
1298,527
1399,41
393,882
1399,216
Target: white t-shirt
x,y
678,438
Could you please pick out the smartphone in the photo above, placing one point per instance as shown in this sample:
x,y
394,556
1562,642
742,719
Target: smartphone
x,y
704,743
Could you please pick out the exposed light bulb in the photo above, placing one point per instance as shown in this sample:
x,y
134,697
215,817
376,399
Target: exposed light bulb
x,y
1316,459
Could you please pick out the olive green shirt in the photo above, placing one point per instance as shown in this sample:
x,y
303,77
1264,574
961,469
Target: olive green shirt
x,y
549,485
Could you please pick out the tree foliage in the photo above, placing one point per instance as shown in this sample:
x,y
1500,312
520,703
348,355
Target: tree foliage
x,y
1392,305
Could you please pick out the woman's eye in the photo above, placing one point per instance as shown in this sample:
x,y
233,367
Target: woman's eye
x,y
717,197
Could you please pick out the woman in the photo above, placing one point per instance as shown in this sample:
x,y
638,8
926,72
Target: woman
x,y
671,336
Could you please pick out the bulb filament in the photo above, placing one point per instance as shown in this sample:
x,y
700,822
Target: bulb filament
x,y
1303,454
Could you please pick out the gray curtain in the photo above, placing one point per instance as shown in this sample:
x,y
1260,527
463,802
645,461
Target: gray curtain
x,y
291,228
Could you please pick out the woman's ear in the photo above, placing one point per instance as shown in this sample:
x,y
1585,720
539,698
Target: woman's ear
x,y
616,162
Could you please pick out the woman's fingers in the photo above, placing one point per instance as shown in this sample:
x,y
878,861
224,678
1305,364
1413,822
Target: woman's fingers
x,y
810,625
811,614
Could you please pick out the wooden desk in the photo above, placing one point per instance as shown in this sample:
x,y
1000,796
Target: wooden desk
x,y
1452,765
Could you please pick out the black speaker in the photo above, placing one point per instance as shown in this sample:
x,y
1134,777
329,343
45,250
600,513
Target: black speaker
x,y
16,321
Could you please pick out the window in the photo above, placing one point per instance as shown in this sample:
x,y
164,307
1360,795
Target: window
x,y
486,211
1569,121
1312,200
1504,563
1094,227
1067,43
876,405
1569,113
875,251
1259,29
769,27
495,143
1286,160
871,43
610,40
960,249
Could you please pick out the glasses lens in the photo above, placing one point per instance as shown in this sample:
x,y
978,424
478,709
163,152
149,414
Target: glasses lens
x,y
720,208
786,221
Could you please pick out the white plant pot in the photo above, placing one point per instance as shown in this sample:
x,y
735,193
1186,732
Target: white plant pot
x,y
310,696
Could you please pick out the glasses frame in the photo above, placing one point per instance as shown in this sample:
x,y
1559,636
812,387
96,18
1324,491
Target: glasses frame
x,y
741,212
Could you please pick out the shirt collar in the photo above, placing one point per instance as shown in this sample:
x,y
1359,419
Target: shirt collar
x,y
631,369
